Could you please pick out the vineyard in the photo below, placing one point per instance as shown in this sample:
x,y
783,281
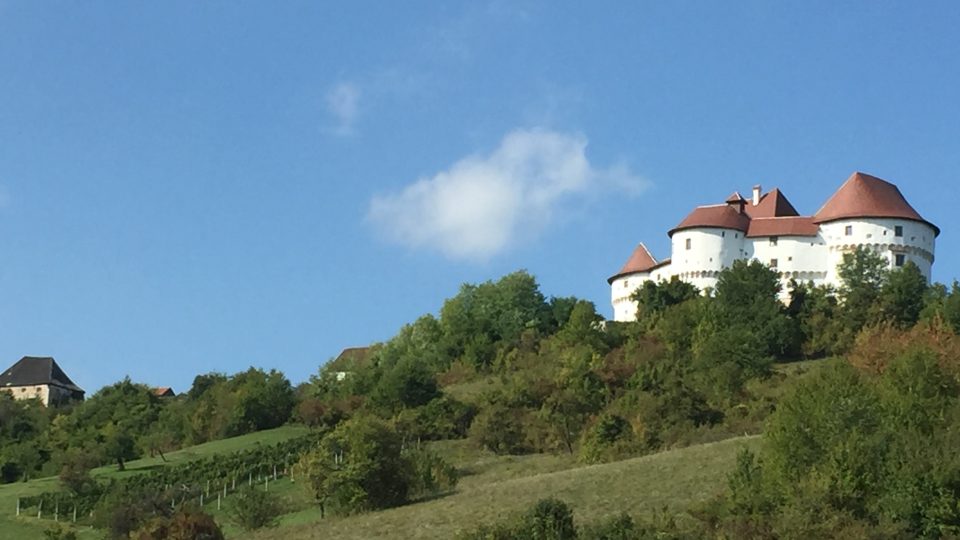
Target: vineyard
x,y
202,481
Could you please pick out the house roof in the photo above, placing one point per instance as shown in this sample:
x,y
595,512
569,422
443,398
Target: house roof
x,y
721,216
783,226
36,370
866,196
163,391
640,261
772,204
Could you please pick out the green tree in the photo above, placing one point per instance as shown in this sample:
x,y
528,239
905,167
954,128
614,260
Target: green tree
x,y
902,295
253,508
862,273
409,384
653,297
359,466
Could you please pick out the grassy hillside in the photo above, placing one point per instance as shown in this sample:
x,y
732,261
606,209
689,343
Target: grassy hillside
x,y
27,527
496,487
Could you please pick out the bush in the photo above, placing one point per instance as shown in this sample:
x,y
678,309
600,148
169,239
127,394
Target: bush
x,y
254,509
184,524
549,519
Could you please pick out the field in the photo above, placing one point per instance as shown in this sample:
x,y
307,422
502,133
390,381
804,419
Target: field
x,y
28,527
492,487
497,487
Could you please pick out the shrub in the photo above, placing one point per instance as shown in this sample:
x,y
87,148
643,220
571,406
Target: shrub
x,y
184,524
254,509
549,519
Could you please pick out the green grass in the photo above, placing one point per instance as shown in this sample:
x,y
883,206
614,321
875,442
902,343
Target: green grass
x,y
499,487
28,527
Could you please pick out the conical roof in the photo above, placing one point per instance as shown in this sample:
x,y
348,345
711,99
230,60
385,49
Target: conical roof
x,y
721,216
33,370
640,261
772,204
866,196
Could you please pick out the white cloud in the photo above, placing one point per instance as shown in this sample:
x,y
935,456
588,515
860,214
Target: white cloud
x,y
343,102
483,205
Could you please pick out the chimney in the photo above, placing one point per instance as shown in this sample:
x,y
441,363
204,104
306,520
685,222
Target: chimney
x,y
756,194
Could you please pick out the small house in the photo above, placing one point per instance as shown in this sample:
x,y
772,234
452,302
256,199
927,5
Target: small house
x,y
40,378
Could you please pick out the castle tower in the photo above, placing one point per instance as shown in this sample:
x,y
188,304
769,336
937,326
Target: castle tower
x,y
869,212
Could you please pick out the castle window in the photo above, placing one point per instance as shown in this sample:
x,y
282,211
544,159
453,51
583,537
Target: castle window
x,y
626,283
898,259
723,234
736,235
773,240
773,263
688,243
849,230
898,231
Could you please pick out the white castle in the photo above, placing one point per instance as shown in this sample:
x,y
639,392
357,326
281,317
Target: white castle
x,y
865,211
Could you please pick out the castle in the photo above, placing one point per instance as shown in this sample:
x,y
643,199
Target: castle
x,y
866,211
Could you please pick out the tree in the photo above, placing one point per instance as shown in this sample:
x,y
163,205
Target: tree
x,y
862,273
747,296
653,298
583,328
253,508
359,466
902,296
118,445
409,384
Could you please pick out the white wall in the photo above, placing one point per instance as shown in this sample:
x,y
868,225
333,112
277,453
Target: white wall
x,y
803,258
620,290
711,250
917,243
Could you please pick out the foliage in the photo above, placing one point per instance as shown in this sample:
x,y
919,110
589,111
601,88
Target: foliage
x,y
653,298
902,296
609,438
862,453
363,465
862,273
255,508
186,523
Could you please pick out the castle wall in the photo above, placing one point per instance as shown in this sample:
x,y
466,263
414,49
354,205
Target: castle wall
x,y
916,243
698,255
801,258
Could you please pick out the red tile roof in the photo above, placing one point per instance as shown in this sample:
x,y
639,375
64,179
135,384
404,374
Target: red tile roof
x,y
865,196
772,204
783,226
640,261
721,216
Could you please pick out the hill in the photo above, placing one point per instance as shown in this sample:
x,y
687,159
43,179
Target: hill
x,y
27,527
497,486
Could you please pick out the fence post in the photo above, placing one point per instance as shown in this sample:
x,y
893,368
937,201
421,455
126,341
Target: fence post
x,y
218,500
40,509
74,513
18,506
201,499
56,511
274,472
250,480
266,483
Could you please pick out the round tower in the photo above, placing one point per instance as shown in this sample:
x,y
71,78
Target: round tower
x,y
707,241
872,213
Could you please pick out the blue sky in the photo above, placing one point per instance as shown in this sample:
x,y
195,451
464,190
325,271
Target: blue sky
x,y
203,186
